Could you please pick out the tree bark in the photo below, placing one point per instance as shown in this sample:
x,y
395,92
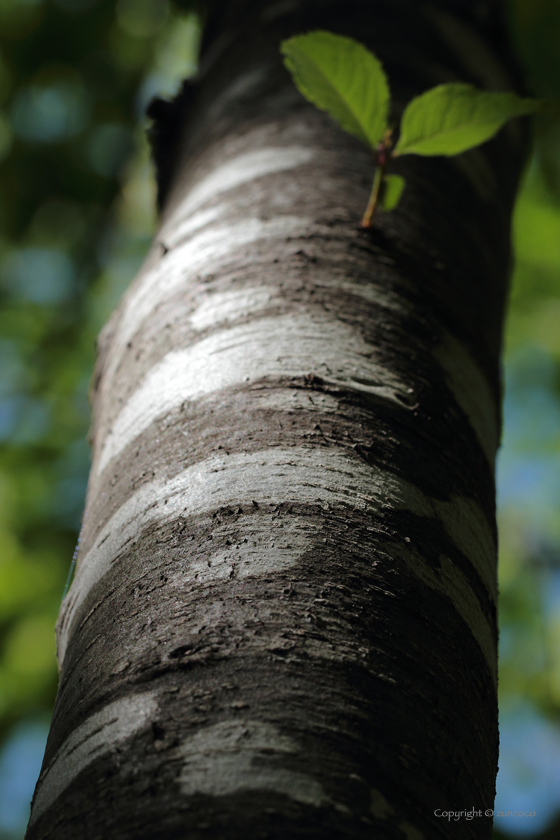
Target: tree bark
x,y
283,619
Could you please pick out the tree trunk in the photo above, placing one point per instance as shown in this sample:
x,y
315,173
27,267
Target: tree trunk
x,y
283,620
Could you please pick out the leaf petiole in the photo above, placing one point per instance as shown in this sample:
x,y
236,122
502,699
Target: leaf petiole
x,y
373,199
383,157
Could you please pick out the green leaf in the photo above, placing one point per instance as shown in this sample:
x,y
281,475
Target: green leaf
x,y
343,78
450,119
392,188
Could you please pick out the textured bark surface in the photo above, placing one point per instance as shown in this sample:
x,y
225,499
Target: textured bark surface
x,y
283,619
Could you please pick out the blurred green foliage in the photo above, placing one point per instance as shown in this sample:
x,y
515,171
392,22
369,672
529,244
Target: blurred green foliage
x,y
76,217
529,462
529,515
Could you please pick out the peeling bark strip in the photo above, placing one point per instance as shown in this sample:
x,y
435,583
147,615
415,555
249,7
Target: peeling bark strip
x,y
283,620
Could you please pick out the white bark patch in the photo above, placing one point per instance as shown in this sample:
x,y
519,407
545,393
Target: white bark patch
x,y
243,87
271,477
225,307
452,583
468,528
96,736
186,227
238,756
288,399
472,391
370,293
235,172
259,550
289,345
206,251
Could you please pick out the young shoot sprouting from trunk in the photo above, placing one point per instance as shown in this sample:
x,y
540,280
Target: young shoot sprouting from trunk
x,y
343,78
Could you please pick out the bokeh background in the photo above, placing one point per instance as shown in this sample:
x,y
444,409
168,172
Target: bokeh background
x,y
76,217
